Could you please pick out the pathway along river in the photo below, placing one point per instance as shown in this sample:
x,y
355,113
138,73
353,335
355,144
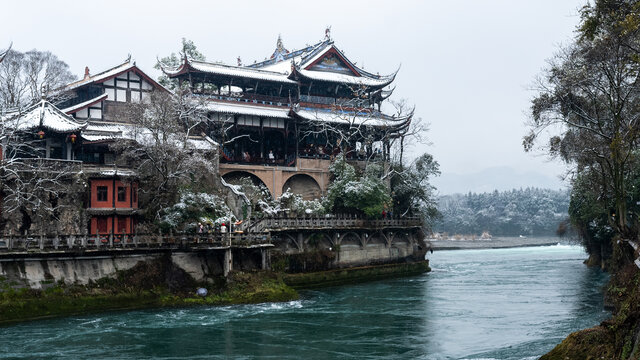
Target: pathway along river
x,y
475,304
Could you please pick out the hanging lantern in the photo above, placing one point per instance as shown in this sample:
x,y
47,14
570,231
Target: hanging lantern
x,y
73,138
41,134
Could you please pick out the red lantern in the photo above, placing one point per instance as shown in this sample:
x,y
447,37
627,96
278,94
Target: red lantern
x,y
41,134
73,138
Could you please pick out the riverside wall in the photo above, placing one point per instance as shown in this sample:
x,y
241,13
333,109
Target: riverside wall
x,y
37,271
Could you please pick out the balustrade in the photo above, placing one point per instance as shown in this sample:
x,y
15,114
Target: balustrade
x,y
74,242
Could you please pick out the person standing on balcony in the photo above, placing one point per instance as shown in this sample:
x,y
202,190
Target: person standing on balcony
x,y
271,157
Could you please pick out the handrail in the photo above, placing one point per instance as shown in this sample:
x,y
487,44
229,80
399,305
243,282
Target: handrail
x,y
74,242
337,222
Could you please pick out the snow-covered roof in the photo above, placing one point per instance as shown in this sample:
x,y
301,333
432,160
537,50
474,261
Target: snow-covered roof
x,y
350,117
242,109
128,65
45,115
85,104
100,131
345,79
297,56
279,68
233,71
103,76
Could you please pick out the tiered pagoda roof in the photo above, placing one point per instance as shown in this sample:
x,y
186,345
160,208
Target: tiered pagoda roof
x,y
321,63
325,58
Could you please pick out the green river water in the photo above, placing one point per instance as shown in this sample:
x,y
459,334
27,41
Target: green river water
x,y
475,304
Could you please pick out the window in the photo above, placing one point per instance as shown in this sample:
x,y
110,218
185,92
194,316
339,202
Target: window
x,y
134,194
111,94
102,192
95,113
135,96
121,95
122,193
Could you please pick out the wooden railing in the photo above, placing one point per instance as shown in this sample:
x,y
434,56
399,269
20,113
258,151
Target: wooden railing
x,y
130,241
335,222
256,234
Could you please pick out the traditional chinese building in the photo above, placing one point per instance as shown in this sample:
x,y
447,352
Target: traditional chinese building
x,y
281,121
78,132
99,101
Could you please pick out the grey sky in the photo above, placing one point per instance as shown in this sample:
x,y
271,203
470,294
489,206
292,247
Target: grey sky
x,y
466,65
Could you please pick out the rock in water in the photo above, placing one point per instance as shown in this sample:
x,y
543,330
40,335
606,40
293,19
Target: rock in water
x,y
201,292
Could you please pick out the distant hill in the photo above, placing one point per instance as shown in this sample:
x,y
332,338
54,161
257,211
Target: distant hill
x,y
529,211
497,178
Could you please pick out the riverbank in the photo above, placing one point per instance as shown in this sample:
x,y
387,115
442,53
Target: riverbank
x,y
494,243
151,284
615,338
159,284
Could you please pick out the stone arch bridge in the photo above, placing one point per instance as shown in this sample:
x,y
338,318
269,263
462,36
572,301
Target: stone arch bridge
x,y
355,241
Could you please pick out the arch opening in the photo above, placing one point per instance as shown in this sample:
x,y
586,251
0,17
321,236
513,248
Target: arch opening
x,y
303,185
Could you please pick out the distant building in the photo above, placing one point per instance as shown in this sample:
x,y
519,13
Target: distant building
x,y
281,121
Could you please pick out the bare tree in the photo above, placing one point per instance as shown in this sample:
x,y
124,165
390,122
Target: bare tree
x,y
414,134
352,121
35,190
164,150
26,77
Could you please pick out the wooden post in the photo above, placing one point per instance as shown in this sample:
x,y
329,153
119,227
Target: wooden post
x,y
111,239
265,259
228,262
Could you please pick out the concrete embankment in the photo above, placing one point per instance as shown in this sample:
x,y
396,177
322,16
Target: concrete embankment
x,y
153,282
354,275
495,243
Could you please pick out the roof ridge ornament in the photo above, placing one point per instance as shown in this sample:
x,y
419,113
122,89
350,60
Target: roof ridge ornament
x,y
280,51
327,33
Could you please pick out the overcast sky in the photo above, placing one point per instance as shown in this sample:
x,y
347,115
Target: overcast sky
x,y
466,65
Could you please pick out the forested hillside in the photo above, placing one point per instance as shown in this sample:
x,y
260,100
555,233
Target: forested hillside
x,y
529,211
